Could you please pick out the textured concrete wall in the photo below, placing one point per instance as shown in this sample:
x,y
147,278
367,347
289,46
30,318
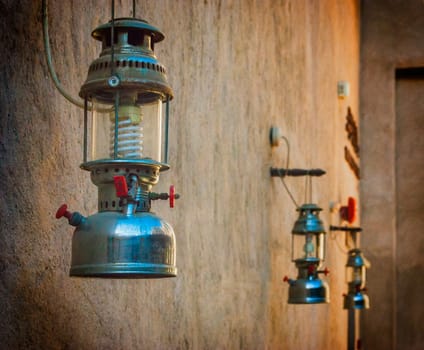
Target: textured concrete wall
x,y
392,37
237,67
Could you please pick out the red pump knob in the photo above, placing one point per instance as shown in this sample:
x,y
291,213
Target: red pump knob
x,y
326,271
63,212
171,196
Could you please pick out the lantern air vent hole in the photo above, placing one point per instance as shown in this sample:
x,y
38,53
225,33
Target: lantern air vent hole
x,y
128,63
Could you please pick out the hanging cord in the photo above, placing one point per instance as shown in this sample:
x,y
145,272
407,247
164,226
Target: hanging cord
x,y
49,59
341,248
287,168
112,39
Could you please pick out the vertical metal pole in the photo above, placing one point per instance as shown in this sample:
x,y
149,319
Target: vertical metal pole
x,y
85,129
166,130
133,8
351,329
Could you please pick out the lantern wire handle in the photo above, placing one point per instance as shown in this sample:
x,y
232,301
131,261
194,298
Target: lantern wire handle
x,y
85,130
308,189
48,53
287,169
343,250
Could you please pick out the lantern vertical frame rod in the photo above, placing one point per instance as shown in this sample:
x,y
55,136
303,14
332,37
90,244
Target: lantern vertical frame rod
x,y
115,142
166,130
85,129
133,8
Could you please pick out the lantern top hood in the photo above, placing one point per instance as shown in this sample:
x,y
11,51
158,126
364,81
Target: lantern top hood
x,y
128,24
128,65
308,221
357,259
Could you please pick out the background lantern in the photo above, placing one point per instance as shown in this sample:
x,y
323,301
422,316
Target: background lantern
x,y
308,236
308,252
126,113
356,266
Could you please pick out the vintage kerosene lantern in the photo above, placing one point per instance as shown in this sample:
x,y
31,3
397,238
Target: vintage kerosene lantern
x,y
308,253
356,266
125,150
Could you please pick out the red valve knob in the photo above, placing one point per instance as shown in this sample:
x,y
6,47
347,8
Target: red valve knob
x,y
120,186
285,279
348,212
63,212
171,196
326,271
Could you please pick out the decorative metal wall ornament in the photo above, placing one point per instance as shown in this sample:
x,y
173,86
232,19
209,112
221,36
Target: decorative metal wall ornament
x,y
123,94
353,138
308,237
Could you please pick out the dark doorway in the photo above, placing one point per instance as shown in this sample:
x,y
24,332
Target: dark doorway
x,y
409,257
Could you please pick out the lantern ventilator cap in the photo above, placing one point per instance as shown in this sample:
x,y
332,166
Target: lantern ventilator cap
x,y
308,221
357,259
132,65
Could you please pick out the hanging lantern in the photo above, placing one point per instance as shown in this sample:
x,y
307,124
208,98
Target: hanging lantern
x,y
126,98
356,266
308,253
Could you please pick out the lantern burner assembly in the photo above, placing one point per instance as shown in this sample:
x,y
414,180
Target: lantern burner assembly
x,y
124,124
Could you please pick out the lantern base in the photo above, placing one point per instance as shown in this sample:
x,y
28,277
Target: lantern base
x,y
124,270
356,301
308,291
116,245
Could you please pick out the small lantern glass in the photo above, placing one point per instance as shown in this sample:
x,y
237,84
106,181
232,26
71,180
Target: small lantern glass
x,y
308,235
356,269
308,246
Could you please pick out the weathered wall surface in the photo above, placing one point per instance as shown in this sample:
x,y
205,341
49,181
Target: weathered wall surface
x,y
237,67
392,38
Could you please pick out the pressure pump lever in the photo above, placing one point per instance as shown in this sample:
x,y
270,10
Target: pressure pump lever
x,y
172,196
